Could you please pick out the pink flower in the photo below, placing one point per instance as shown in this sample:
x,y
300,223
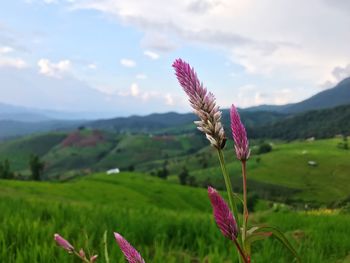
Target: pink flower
x,y
63,243
93,258
239,135
203,103
130,253
82,253
222,215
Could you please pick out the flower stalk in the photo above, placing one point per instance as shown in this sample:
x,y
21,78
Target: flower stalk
x,y
228,184
63,243
245,201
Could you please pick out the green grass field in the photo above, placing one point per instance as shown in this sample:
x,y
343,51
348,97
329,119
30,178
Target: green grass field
x,y
284,172
166,222
281,175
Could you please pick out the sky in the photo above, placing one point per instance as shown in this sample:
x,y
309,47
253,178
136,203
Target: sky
x,y
115,56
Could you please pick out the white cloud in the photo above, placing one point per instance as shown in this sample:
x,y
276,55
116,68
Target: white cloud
x,y
17,63
151,55
129,63
6,49
141,76
134,90
92,66
169,100
254,95
159,41
50,69
265,37
340,73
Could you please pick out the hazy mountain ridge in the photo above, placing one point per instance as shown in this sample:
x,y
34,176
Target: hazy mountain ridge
x,y
10,129
18,121
329,98
324,123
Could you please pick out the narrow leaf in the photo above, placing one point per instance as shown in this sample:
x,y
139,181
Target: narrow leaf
x,y
254,237
281,237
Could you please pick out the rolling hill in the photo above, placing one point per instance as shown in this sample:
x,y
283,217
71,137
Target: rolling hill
x,y
176,123
82,151
324,123
68,155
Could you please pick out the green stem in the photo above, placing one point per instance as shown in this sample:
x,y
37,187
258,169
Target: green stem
x,y
83,259
228,186
106,246
245,208
229,193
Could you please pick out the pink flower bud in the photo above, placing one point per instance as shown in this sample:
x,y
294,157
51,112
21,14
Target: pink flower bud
x,y
93,258
82,253
239,136
63,243
222,215
130,253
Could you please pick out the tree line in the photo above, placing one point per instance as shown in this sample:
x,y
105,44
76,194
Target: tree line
x,y
35,165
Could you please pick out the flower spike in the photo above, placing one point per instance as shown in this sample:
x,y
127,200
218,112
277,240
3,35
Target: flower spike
x,y
63,243
222,215
239,135
130,253
203,104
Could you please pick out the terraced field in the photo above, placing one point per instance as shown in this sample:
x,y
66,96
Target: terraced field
x,y
165,221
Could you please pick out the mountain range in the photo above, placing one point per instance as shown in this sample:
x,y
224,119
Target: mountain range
x,y
329,98
17,121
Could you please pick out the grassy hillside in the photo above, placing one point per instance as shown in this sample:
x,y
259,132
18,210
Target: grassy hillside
x,y
166,222
18,151
282,173
82,151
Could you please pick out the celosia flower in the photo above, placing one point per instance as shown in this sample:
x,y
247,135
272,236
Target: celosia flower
x,y
130,253
63,243
203,103
222,215
239,135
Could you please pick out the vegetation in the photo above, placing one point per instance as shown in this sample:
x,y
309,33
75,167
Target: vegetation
x,y
264,148
139,207
318,123
183,176
5,170
36,167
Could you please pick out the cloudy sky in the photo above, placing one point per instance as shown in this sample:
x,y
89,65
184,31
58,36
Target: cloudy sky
x,y
115,56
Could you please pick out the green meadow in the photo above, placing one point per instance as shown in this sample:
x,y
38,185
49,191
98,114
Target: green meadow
x,y
166,222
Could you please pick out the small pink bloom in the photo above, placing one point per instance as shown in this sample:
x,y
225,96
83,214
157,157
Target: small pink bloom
x,y
63,243
239,135
93,258
130,253
222,215
82,253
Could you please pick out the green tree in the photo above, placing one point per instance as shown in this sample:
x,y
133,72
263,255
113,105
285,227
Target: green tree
x,y
164,172
5,170
183,176
36,167
345,142
264,148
